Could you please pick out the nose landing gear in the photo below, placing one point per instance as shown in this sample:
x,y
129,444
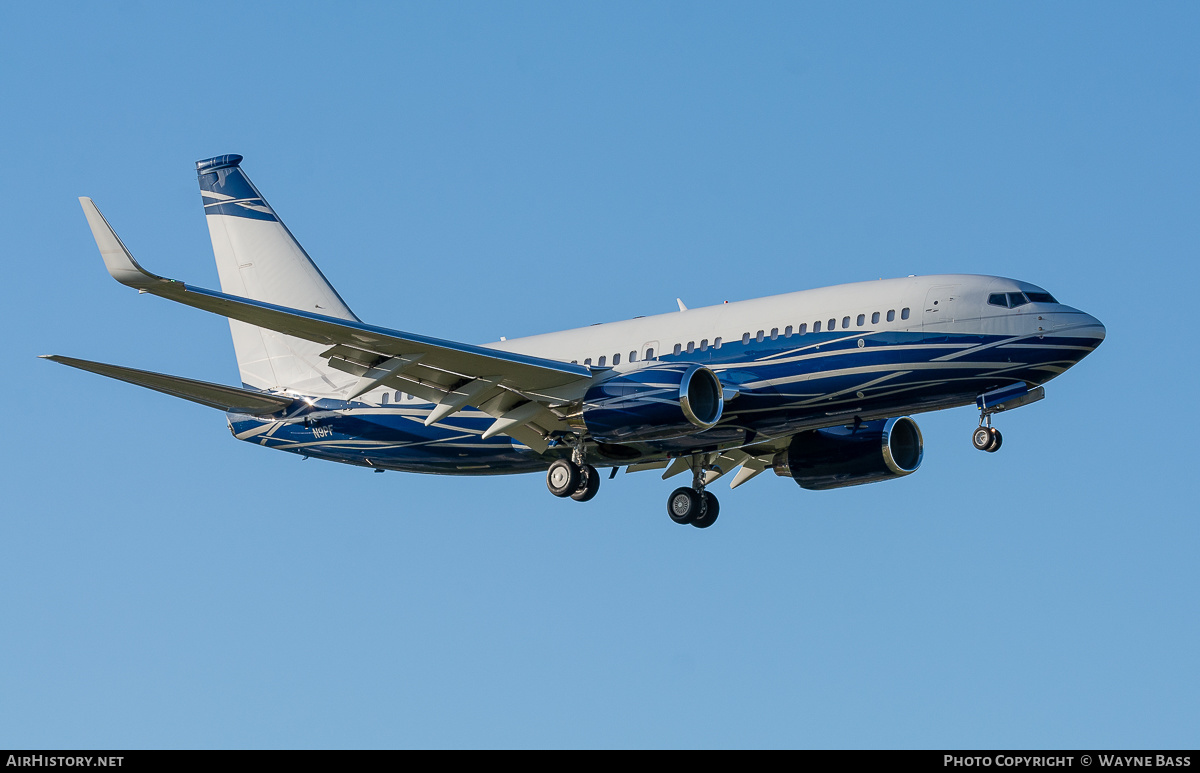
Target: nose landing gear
x,y
986,437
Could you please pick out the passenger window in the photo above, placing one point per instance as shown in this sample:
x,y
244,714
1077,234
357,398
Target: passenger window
x,y
787,332
691,347
617,359
588,362
817,326
649,354
891,315
399,395
385,398
845,322
998,299
600,362
832,325
774,333
678,348
745,338
803,328
704,344
862,319
717,343
875,318
904,313
1017,299
633,356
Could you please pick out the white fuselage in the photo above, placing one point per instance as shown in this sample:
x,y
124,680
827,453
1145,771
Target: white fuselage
x,y
905,304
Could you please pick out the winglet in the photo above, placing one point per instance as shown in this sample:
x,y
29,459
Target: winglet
x,y
117,260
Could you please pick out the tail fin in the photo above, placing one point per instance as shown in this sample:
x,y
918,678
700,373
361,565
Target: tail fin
x,y
258,258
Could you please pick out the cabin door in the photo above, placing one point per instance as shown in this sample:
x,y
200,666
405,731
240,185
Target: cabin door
x,y
940,305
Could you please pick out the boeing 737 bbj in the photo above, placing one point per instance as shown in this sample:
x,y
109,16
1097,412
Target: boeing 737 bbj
x,y
815,385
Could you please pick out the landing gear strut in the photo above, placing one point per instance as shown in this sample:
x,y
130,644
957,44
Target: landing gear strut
x,y
694,505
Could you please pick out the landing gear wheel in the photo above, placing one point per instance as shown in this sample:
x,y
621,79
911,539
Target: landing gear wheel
x,y
709,516
997,439
563,478
589,484
981,438
683,505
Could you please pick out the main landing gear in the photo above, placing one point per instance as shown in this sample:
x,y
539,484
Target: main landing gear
x,y
986,437
694,505
580,482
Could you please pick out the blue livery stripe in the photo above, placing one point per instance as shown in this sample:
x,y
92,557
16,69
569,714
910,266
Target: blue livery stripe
x,y
227,190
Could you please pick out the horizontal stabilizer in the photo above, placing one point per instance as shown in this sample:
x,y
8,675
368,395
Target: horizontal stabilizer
x,y
226,398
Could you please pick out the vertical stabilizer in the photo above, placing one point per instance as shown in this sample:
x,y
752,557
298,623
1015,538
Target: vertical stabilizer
x,y
258,258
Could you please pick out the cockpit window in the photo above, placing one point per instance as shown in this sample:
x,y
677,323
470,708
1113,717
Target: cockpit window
x,y
1013,300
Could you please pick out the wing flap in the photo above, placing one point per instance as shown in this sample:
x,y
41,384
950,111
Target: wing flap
x,y
226,398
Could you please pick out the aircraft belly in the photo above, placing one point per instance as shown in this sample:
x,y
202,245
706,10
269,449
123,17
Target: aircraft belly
x,y
391,439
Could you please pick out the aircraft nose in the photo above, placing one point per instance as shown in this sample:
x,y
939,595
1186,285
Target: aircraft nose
x,y
1081,326
1092,328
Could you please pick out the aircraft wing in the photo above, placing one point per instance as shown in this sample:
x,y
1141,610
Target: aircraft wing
x,y
518,390
226,398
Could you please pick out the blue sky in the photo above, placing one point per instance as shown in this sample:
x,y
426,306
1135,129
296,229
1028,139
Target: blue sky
x,y
506,169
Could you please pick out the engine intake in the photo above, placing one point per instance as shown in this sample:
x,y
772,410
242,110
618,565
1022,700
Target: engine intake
x,y
654,403
836,457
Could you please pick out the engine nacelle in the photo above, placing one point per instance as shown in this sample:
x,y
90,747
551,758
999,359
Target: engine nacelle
x,y
844,456
655,403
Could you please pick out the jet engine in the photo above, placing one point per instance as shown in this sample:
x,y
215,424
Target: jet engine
x,y
657,402
836,457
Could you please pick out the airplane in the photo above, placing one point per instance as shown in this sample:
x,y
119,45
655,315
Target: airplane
x,y
817,385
